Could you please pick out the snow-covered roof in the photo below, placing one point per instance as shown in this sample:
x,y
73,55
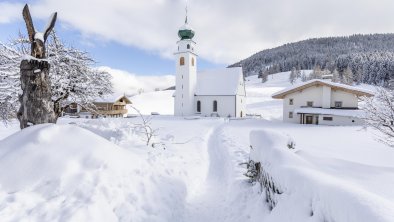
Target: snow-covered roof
x,y
225,81
351,89
186,26
334,112
111,99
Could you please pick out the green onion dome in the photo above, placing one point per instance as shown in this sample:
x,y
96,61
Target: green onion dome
x,y
186,32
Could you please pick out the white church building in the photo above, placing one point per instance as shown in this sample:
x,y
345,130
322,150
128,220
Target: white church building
x,y
218,92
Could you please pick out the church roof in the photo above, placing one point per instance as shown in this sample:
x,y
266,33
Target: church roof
x,y
219,82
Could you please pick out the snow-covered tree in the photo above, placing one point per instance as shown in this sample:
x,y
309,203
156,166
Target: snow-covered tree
x,y
304,78
9,82
335,76
347,76
73,77
264,75
379,114
293,75
317,73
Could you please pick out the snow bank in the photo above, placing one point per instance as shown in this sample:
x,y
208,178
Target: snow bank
x,y
309,194
66,173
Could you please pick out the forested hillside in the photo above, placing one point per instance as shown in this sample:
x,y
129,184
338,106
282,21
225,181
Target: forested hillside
x,y
369,57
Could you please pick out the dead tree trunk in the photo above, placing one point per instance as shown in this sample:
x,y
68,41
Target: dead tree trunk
x,y
36,103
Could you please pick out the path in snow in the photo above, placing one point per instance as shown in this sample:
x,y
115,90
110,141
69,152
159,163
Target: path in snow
x,y
225,194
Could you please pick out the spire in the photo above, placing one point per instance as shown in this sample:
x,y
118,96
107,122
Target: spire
x,y
186,32
186,13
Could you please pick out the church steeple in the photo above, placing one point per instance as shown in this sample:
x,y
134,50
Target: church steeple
x,y
186,71
186,32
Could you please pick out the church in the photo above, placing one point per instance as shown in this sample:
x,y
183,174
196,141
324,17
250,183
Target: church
x,y
219,92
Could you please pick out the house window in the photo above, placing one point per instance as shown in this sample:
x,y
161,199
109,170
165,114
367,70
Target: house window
x,y
291,101
290,115
182,61
338,104
309,103
199,106
327,118
215,106
192,61
188,46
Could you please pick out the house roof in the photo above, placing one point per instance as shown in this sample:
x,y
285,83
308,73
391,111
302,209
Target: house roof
x,y
319,82
111,99
225,81
334,112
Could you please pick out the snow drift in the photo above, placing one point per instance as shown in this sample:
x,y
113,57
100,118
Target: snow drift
x,y
310,194
66,173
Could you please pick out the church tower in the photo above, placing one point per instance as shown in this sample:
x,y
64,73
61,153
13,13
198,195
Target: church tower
x,y
186,72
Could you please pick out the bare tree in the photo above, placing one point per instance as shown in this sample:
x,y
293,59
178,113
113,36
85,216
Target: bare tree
x,y
145,128
379,114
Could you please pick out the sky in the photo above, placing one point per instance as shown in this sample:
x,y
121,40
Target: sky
x,y
139,36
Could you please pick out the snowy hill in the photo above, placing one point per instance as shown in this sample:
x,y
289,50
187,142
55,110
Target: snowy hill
x,y
101,170
259,100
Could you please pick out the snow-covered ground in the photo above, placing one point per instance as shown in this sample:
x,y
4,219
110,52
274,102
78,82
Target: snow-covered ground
x,y
100,170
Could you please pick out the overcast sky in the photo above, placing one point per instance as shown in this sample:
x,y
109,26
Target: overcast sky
x,y
140,35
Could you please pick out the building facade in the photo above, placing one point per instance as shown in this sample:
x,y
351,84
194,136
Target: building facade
x,y
214,93
103,107
322,102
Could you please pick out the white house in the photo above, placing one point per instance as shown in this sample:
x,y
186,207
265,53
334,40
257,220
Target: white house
x,y
214,93
322,102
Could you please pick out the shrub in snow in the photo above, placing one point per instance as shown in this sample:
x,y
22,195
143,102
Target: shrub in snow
x,y
145,129
291,144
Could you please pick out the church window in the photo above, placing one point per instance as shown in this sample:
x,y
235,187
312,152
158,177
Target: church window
x,y
182,61
215,106
192,61
188,46
199,106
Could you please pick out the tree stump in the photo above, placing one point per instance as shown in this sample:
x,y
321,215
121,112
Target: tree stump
x,y
36,103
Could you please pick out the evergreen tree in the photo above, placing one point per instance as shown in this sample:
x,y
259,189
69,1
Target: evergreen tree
x,y
347,77
304,78
264,76
293,76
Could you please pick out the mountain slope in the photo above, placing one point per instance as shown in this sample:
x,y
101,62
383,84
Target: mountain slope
x,y
369,56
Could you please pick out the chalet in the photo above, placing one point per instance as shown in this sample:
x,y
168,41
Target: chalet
x,y
322,102
104,107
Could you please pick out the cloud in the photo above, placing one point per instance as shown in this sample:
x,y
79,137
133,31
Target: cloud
x,y
129,83
10,12
226,30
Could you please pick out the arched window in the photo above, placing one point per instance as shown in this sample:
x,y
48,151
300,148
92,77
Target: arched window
x,y
188,46
182,61
199,106
192,61
215,106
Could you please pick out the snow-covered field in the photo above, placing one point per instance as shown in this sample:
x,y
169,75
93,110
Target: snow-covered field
x,y
100,170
